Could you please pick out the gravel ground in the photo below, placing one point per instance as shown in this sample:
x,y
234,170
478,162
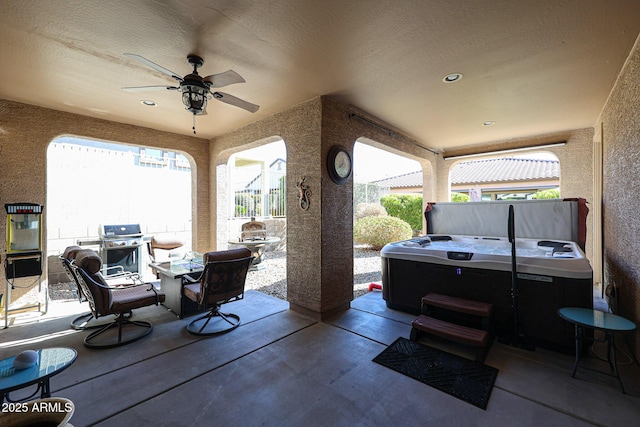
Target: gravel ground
x,y
272,280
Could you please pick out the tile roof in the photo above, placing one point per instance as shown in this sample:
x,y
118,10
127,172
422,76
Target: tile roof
x,y
491,170
504,169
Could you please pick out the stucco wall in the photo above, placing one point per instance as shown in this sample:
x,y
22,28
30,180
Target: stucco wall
x,y
620,138
26,131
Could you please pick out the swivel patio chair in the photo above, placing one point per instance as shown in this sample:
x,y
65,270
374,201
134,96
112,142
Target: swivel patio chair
x,y
68,258
221,282
162,249
105,299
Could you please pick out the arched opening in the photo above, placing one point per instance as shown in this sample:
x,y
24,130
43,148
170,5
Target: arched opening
x,y
384,183
92,183
257,192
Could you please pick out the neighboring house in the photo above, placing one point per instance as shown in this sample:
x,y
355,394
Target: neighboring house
x,y
276,169
250,200
492,179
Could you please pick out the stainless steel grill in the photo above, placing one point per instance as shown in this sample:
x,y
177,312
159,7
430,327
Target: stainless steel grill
x,y
121,245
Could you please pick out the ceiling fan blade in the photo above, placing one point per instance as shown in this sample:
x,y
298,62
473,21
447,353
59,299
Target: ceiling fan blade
x,y
153,65
229,77
147,88
237,102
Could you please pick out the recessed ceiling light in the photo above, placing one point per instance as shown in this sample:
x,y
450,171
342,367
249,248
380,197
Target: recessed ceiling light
x,y
453,77
148,103
489,123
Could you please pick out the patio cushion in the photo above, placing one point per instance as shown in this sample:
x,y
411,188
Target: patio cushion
x,y
71,252
89,261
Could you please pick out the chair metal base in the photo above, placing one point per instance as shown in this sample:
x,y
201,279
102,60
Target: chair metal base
x,y
120,322
214,323
81,322
88,321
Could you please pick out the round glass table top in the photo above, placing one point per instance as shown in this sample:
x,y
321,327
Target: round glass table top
x,y
596,319
50,361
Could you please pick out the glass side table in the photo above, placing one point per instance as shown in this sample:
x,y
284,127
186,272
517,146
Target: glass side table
x,y
50,362
598,320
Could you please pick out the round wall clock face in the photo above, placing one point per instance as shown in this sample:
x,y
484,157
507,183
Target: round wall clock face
x,y
339,164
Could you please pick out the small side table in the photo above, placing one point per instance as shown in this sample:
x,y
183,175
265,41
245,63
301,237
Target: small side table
x,y
51,361
599,320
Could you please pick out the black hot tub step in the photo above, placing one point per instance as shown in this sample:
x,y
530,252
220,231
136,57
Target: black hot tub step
x,y
453,332
460,305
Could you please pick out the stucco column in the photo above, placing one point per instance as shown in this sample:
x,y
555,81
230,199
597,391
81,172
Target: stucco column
x,y
320,238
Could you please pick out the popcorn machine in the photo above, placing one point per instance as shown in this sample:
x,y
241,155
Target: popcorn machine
x,y
24,248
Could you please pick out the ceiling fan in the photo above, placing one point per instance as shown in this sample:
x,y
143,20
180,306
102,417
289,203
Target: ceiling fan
x,y
195,89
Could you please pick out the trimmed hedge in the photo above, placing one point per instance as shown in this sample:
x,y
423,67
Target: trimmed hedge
x,y
377,231
369,209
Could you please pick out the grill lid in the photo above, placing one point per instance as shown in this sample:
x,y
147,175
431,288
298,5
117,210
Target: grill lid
x,y
118,230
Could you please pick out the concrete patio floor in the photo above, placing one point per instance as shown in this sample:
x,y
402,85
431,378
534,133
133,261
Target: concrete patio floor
x,y
280,368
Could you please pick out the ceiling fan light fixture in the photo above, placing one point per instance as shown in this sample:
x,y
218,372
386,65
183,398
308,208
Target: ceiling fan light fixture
x,y
195,90
194,98
452,78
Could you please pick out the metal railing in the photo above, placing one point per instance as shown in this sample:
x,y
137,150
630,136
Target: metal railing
x,y
258,193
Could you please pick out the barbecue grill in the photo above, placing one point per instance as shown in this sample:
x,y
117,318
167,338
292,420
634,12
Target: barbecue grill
x,y
121,245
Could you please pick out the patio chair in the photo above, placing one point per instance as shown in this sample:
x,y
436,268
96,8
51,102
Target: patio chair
x,y
253,230
105,299
162,249
67,258
221,282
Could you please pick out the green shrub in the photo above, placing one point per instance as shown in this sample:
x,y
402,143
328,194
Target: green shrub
x,y
459,197
377,231
369,209
552,193
407,207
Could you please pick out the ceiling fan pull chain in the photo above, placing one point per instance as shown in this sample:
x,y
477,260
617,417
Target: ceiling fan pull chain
x,y
194,123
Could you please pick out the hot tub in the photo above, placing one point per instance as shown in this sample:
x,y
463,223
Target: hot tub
x,y
550,274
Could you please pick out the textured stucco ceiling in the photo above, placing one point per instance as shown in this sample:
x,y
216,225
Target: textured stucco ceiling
x,y
533,67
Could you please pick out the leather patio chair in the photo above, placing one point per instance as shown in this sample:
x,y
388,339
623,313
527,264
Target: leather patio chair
x,y
109,299
222,281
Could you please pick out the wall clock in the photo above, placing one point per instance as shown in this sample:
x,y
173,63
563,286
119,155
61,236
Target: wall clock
x,y
339,164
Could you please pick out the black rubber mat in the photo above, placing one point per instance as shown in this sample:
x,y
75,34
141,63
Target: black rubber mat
x,y
465,379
